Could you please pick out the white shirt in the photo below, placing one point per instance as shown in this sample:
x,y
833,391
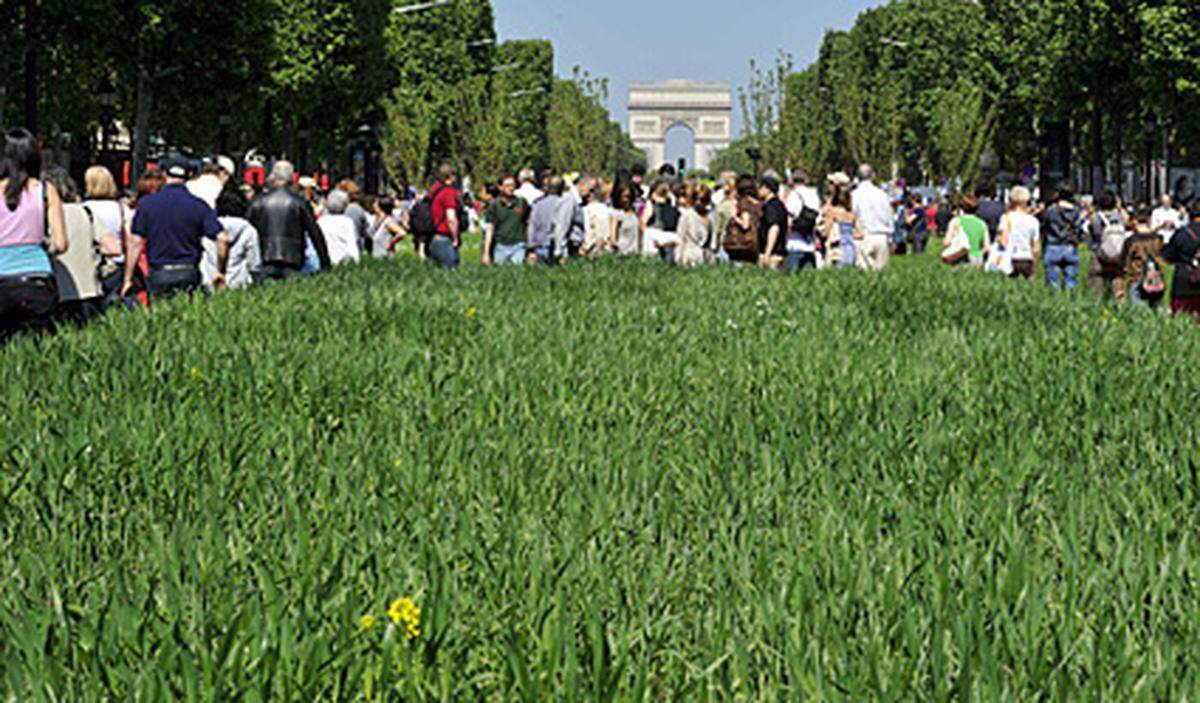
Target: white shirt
x,y
207,187
341,236
1168,216
530,192
598,218
874,210
1023,231
803,197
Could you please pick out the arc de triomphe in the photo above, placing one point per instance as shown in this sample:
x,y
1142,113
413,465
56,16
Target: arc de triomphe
x,y
706,108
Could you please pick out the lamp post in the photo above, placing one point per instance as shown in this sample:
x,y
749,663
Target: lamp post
x,y
225,120
755,155
106,96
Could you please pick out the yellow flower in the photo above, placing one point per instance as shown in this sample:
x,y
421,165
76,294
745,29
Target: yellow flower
x,y
399,465
470,312
367,622
196,373
404,610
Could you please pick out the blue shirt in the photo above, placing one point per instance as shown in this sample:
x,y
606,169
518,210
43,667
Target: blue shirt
x,y
173,221
23,259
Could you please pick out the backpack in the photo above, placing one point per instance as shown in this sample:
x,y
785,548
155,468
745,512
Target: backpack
x,y
1153,283
666,217
805,224
421,219
741,244
1112,239
1061,230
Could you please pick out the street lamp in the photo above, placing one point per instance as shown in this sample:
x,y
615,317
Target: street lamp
x,y
106,96
755,155
225,120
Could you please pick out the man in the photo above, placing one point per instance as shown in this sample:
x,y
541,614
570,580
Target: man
x,y
990,211
444,199
1166,220
874,211
284,220
772,228
528,190
508,226
213,177
803,206
802,195
1062,229
169,226
542,220
637,176
917,221
570,227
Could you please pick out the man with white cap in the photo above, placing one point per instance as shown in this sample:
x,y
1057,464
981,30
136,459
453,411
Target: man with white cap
x,y
213,177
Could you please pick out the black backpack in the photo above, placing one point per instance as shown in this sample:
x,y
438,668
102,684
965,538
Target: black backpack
x,y
421,219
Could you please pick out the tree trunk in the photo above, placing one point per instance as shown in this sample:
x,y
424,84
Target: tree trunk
x,y
31,67
141,124
1097,185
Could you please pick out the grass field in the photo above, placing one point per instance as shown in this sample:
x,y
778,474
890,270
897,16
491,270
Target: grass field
x,y
611,482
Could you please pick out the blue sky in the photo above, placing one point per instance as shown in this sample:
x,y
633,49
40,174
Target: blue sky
x,y
632,41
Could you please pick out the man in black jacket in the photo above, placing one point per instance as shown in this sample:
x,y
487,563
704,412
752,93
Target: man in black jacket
x,y
283,220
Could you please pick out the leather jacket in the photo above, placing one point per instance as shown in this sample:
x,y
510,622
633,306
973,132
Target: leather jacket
x,y
282,219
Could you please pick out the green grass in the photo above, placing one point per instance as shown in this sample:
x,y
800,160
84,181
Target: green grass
x,y
608,482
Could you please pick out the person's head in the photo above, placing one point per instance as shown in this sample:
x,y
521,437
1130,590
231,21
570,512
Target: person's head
x,y
1107,201
584,185
699,196
58,177
667,171
385,205
1019,198
746,187
176,169
969,204
914,200
840,196
623,196
799,179
866,173
638,174
661,192
225,168
527,175
1066,193
508,186
985,190
308,186
1167,202
231,202
211,168
446,173
729,184
20,161
555,185
150,183
1142,216
100,183
350,188
283,173
337,202
768,188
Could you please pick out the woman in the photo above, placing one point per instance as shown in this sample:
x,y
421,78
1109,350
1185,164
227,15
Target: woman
x,y
245,258
598,216
724,213
341,235
1183,250
974,229
625,231
28,295
386,231
741,237
660,224
696,230
150,183
1110,229
1020,234
841,225
77,273
104,204
1143,270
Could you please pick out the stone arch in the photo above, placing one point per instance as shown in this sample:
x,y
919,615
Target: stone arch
x,y
705,108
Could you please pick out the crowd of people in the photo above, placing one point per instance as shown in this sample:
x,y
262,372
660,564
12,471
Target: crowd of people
x,y
68,254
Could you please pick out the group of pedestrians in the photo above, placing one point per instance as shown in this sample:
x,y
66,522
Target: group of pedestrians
x,y
1128,249
70,255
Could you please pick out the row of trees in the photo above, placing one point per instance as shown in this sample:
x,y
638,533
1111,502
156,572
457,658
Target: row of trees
x,y
939,89
289,77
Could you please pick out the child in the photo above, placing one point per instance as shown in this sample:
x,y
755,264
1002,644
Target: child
x,y
1143,271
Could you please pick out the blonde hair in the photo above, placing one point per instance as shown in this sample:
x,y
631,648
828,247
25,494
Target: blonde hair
x,y
99,183
1020,196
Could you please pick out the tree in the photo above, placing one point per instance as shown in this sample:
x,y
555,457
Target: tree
x,y
580,132
523,85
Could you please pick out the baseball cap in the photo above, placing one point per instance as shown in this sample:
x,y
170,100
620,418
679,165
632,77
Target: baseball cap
x,y
176,167
226,165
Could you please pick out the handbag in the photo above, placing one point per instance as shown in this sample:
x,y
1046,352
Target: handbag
x,y
741,242
960,248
